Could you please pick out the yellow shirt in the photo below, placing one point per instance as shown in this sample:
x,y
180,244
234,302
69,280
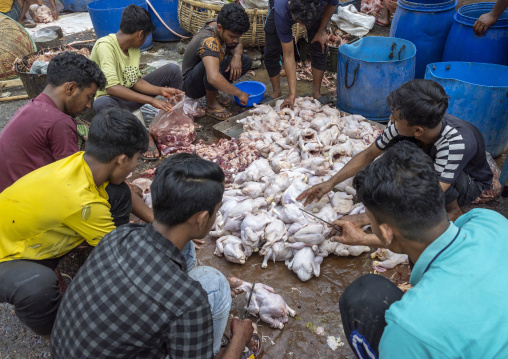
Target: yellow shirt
x,y
118,68
51,210
6,5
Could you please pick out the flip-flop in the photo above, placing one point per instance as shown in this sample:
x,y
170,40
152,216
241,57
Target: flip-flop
x,y
213,114
325,100
29,25
380,23
143,157
223,100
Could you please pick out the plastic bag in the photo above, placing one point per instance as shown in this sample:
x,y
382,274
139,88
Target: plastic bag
x,y
172,130
40,14
39,68
495,189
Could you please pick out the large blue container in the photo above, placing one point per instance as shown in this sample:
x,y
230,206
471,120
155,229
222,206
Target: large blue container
x,y
426,24
107,14
478,94
167,10
75,5
463,45
368,70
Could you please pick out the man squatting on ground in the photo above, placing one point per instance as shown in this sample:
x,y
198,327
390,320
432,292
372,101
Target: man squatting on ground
x,y
118,56
72,82
138,296
457,306
206,69
457,148
53,209
315,15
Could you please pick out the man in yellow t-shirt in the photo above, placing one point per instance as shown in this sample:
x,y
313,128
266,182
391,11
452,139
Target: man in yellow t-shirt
x,y
53,209
118,57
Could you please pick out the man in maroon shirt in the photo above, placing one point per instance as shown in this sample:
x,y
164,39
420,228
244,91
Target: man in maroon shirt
x,y
43,130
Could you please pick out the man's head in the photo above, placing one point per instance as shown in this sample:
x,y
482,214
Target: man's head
x,y
77,79
232,22
117,138
137,23
416,106
402,195
305,12
187,189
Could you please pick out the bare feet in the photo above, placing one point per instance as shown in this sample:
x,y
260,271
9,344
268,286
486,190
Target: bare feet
x,y
153,152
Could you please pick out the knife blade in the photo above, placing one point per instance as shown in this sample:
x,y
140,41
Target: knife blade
x,y
248,302
334,226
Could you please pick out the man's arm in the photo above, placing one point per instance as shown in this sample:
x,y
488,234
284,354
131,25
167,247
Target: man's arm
x,y
241,331
353,235
140,209
235,66
98,222
444,186
288,52
134,96
63,138
485,21
357,163
54,10
321,35
215,78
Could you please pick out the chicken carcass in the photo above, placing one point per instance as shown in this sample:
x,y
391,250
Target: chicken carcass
x,y
231,247
280,251
253,231
388,259
270,307
305,264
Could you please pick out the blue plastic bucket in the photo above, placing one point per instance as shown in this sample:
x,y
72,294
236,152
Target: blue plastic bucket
x,y
463,45
426,24
255,89
107,14
368,70
167,10
478,94
76,5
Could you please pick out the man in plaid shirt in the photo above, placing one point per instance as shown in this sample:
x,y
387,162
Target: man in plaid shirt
x,y
135,298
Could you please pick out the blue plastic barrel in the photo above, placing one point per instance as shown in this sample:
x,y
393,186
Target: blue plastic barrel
x,y
368,70
478,94
107,14
75,5
463,45
167,10
426,24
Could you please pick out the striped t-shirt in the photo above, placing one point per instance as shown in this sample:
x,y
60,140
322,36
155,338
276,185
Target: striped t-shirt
x,y
460,147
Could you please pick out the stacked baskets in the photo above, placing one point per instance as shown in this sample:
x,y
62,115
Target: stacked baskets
x,y
193,15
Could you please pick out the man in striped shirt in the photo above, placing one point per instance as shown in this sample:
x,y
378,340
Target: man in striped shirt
x,y
456,147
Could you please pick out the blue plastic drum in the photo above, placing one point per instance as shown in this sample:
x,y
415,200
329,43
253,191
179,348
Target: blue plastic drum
x,y
478,94
75,5
426,24
463,44
368,70
167,10
107,14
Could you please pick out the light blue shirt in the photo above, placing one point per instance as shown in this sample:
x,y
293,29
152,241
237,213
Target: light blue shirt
x,y
458,307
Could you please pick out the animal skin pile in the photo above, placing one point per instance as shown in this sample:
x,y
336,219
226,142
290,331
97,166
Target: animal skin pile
x,y
46,56
260,212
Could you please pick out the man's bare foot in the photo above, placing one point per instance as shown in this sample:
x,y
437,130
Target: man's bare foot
x,y
276,94
153,152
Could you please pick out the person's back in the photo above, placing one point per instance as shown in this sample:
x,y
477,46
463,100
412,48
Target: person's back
x,y
457,305
43,131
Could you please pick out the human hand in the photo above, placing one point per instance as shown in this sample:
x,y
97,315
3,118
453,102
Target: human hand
x,y
351,233
289,102
161,105
315,193
244,98
197,242
169,93
234,283
483,23
359,220
55,14
235,68
322,38
242,331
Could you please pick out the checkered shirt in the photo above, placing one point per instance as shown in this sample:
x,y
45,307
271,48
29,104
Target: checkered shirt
x,y
133,298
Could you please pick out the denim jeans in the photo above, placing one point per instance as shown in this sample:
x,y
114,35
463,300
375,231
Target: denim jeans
x,y
217,288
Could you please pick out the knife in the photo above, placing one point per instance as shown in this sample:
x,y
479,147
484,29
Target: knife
x,y
334,226
248,302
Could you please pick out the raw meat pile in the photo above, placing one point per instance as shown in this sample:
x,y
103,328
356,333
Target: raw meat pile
x,y
372,7
46,56
337,37
231,155
40,14
260,211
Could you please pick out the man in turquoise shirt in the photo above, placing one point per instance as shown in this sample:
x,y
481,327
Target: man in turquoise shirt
x,y
456,308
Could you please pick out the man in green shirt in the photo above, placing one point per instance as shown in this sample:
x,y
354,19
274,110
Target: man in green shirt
x,y
118,56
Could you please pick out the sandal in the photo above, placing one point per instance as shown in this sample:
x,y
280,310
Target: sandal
x,y
223,100
217,114
151,149
28,24
325,99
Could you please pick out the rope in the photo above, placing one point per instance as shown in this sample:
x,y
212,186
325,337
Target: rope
x,y
163,23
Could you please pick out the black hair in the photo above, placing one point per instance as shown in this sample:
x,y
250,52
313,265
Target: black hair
x,y
184,185
233,17
134,19
401,188
420,102
305,11
115,132
70,66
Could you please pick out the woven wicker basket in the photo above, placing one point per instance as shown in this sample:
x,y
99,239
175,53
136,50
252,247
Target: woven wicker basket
x,y
193,15
15,43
